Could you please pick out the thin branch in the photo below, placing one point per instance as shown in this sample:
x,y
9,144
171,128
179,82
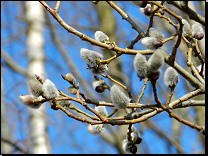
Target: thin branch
x,y
185,97
127,18
15,146
84,37
57,6
190,103
13,64
192,14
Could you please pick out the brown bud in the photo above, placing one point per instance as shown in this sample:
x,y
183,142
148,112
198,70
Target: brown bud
x,y
199,36
148,11
158,43
99,89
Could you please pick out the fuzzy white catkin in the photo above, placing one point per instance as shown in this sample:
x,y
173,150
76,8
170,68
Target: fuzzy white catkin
x,y
197,28
118,98
155,61
96,129
148,42
100,36
72,90
140,65
101,69
156,33
170,76
71,77
35,88
28,100
101,110
186,28
198,31
90,57
50,89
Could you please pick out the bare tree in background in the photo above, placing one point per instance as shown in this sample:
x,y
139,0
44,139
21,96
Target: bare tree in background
x,y
54,37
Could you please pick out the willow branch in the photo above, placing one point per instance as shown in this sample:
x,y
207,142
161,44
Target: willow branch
x,y
185,97
127,18
13,64
194,82
192,14
84,37
190,103
57,6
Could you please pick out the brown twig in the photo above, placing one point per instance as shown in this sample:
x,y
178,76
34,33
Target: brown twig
x,y
57,6
90,40
127,18
185,97
131,46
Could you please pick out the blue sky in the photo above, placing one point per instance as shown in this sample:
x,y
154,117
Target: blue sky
x,y
15,85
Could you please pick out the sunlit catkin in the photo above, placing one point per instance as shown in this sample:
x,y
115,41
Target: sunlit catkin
x,y
99,70
198,31
101,110
156,33
35,88
100,36
148,42
96,129
50,89
156,61
170,77
118,98
90,57
140,65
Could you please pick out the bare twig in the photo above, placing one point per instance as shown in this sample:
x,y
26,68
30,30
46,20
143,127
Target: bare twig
x,y
192,14
56,9
127,18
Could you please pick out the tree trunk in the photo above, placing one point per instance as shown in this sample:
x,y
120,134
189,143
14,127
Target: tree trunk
x,y
35,44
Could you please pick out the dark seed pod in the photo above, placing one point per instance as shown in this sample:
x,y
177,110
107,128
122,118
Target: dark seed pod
x,y
199,36
133,149
138,141
99,89
148,11
158,43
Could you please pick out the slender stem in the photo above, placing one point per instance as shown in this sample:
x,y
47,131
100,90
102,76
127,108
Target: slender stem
x,y
57,6
127,18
